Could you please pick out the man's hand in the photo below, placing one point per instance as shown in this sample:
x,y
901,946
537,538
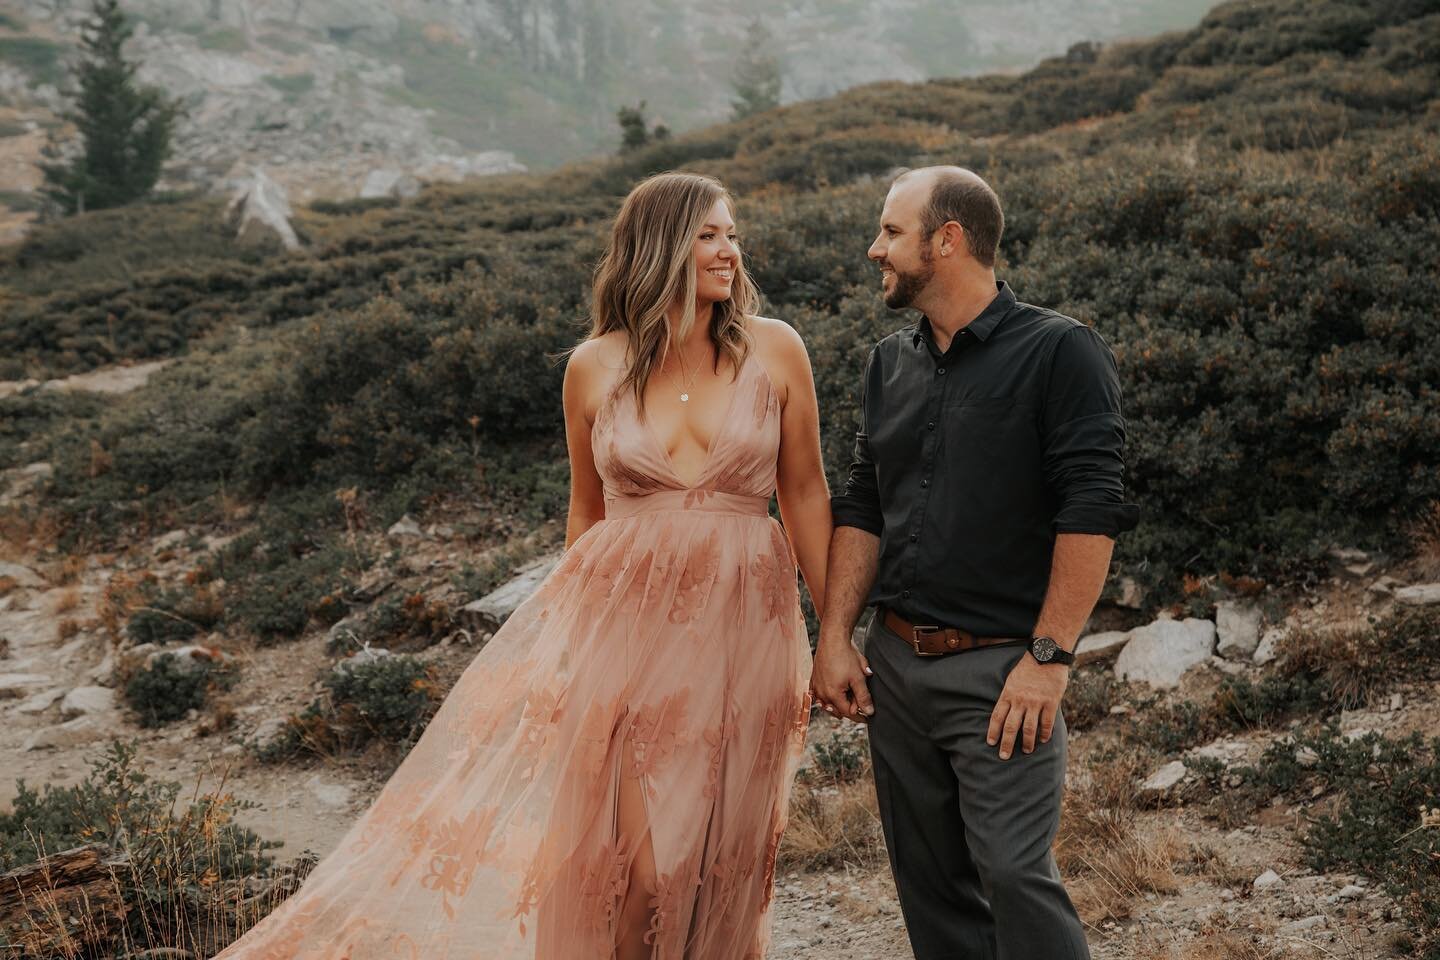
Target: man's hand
x,y
837,679
1028,705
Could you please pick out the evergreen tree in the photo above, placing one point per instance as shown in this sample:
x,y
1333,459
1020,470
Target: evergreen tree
x,y
633,131
125,127
756,80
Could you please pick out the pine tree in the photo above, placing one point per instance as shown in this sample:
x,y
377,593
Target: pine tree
x,y
124,127
634,131
757,75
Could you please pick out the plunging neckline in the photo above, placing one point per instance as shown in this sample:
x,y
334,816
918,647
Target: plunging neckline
x,y
644,419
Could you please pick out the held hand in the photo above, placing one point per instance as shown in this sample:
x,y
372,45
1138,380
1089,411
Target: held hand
x,y
837,679
1028,705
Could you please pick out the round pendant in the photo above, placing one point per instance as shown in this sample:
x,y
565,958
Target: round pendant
x,y
684,398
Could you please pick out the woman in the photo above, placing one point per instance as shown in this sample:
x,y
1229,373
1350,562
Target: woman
x,y
609,777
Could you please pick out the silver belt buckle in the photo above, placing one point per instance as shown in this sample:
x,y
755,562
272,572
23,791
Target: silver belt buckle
x,y
916,631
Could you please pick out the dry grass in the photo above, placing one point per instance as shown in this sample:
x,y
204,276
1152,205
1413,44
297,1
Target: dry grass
x,y
66,601
67,628
1109,862
1213,942
1425,542
832,824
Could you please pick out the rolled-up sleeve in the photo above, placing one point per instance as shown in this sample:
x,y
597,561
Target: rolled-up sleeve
x,y
858,504
1084,437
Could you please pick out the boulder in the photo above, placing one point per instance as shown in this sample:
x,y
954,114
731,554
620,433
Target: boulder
x,y
1100,646
260,210
1420,595
40,702
493,609
1266,880
1159,653
1237,627
389,183
22,575
87,701
1269,647
1165,779
20,684
71,733
405,527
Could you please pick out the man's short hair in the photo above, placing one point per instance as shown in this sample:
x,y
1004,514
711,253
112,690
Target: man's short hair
x,y
970,202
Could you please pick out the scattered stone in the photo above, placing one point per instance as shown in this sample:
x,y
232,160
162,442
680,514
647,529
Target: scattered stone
x,y
1359,571
335,796
1225,750
1266,880
1269,648
85,701
1384,586
1307,757
1397,700
405,527
268,729
389,183
71,733
1237,627
366,654
1350,892
40,702
167,540
260,211
345,630
1159,653
1420,595
1344,555
21,574
493,609
1301,926
1100,646
1162,781
20,684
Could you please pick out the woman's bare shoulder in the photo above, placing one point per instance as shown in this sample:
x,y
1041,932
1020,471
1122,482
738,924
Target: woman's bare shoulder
x,y
779,347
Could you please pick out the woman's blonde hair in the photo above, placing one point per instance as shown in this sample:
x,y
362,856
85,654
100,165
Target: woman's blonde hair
x,y
649,265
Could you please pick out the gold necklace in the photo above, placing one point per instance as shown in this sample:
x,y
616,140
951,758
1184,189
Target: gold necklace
x,y
689,380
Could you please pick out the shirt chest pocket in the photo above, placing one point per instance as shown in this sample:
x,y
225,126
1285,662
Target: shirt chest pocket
x,y
1000,435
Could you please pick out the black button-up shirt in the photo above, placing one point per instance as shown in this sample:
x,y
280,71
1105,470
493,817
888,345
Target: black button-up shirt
x,y
967,463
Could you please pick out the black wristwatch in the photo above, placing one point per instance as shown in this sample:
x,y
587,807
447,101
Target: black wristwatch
x,y
1045,650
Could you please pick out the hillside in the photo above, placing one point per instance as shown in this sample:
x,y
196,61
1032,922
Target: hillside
x,y
326,94
350,445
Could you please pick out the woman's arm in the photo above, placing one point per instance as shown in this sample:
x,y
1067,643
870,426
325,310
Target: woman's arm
x,y
800,482
587,493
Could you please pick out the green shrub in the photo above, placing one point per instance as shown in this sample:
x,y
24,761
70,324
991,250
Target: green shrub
x,y
182,855
389,699
163,691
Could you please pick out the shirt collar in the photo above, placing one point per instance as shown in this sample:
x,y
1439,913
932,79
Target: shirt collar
x,y
982,326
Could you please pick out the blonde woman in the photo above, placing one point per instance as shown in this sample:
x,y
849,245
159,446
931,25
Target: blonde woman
x,y
609,777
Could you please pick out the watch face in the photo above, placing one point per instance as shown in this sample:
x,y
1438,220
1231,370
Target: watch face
x,y
1043,648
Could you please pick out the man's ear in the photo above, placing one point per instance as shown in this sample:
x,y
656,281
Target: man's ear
x,y
952,238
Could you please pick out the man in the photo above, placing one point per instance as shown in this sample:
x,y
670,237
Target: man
x,y
979,517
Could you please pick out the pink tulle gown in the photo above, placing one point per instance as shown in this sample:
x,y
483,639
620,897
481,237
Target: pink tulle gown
x,y
639,716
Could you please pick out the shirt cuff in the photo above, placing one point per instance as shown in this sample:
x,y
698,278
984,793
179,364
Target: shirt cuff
x,y
1109,519
845,512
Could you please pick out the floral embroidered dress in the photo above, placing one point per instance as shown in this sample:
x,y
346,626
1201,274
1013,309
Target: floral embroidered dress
x,y
666,650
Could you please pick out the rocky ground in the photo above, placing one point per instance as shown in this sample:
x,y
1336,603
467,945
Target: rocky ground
x,y
1242,884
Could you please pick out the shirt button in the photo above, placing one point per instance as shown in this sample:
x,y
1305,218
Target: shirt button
x,y
924,483
914,537
930,425
940,370
905,593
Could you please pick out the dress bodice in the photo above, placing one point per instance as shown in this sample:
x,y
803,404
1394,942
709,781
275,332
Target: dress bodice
x,y
632,461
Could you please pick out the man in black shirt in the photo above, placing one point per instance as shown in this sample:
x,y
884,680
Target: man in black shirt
x,y
979,515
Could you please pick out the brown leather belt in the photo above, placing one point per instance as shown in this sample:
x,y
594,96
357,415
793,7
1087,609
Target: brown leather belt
x,y
930,640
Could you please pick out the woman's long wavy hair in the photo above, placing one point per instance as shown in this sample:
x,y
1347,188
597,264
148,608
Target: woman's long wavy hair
x,y
649,266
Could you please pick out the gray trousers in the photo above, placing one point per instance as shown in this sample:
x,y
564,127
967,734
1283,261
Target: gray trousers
x,y
968,834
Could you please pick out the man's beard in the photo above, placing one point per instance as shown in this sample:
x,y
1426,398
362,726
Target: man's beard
x,y
908,286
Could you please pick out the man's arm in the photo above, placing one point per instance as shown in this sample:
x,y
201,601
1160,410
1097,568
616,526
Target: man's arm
x,y
1084,434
